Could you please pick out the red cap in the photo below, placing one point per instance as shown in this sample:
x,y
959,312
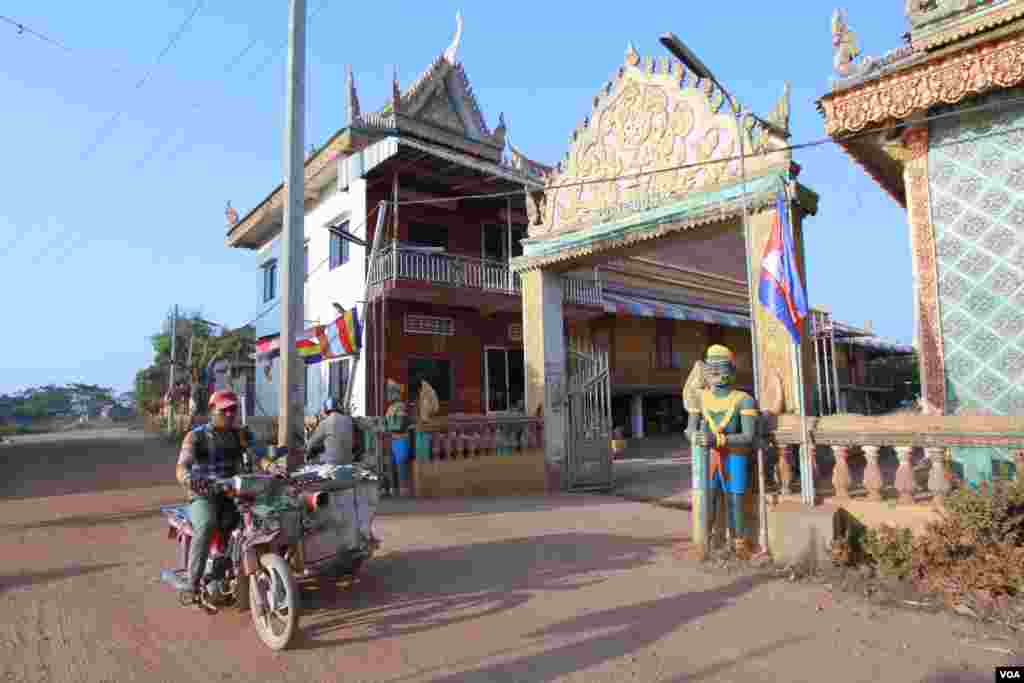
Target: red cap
x,y
223,399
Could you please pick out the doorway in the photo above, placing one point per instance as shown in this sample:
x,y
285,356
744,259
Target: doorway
x,y
504,380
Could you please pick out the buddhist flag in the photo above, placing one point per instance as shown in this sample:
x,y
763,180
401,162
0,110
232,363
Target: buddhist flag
x,y
344,335
267,348
309,351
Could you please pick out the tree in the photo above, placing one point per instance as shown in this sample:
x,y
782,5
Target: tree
x,y
57,401
195,348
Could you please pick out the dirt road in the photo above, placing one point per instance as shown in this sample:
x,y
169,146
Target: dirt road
x,y
568,588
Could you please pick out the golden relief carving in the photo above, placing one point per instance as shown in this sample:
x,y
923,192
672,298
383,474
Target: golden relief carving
x,y
648,123
998,64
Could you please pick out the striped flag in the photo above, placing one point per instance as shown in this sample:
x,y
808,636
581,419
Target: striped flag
x,y
309,350
344,336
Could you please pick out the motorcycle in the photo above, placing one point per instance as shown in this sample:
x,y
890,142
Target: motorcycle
x,y
250,569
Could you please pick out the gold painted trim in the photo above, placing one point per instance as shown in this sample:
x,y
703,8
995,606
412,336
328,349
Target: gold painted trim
x,y
946,80
964,29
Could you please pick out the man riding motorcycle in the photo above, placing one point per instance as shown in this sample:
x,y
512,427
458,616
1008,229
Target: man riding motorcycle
x,y
216,449
334,435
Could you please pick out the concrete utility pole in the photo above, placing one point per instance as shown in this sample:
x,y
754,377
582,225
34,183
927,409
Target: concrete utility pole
x,y
290,396
172,374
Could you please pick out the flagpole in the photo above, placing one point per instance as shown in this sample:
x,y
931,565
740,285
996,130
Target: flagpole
x,y
807,460
381,212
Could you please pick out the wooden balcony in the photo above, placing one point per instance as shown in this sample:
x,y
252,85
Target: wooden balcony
x,y
466,272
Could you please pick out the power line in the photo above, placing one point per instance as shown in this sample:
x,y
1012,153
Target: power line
x,y
111,123
22,29
229,67
274,54
697,164
320,265
161,140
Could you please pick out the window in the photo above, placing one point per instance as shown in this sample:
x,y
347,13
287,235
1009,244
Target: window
x,y
339,245
505,379
495,247
428,235
495,241
338,376
269,281
664,359
437,373
428,324
518,234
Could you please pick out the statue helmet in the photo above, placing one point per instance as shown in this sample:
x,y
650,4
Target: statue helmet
x,y
719,357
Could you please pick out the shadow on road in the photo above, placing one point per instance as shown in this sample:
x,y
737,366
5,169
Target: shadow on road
x,y
485,507
24,580
56,468
88,521
711,672
624,630
417,591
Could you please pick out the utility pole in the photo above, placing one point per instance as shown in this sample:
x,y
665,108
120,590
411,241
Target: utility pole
x,y
290,394
172,374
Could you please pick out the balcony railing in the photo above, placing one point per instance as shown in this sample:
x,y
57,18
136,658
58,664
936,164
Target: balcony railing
x,y
466,272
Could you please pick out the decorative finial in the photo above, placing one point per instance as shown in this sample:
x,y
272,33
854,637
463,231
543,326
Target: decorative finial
x,y
632,56
845,49
396,93
499,132
231,214
450,53
353,99
780,115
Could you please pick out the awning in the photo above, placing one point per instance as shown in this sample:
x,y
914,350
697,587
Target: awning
x,y
878,343
652,308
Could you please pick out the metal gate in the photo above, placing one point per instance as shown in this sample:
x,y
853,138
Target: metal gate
x,y
588,421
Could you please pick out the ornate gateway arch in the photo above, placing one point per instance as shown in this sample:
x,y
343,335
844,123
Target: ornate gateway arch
x,y
658,157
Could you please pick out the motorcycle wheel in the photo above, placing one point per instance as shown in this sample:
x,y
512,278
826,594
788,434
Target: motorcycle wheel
x,y
276,573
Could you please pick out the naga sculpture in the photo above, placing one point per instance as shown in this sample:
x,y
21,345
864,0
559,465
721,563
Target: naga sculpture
x,y
846,51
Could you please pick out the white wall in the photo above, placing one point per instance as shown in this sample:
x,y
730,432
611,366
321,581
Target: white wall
x,y
343,285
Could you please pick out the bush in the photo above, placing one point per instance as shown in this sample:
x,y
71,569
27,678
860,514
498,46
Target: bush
x,y
8,430
977,545
891,549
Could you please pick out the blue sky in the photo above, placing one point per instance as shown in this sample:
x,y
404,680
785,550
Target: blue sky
x,y
96,249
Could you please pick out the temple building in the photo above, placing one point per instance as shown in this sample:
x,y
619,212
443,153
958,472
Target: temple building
x,y
937,124
445,303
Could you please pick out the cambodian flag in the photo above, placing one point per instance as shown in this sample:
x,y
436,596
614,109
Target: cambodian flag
x,y
780,289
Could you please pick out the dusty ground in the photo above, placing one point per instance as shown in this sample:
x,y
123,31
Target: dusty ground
x,y
574,588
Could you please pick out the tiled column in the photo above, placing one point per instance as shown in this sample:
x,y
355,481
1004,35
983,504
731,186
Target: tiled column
x,y
544,345
926,292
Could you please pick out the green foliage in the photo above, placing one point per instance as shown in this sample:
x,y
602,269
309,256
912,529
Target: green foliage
x,y
890,549
51,400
